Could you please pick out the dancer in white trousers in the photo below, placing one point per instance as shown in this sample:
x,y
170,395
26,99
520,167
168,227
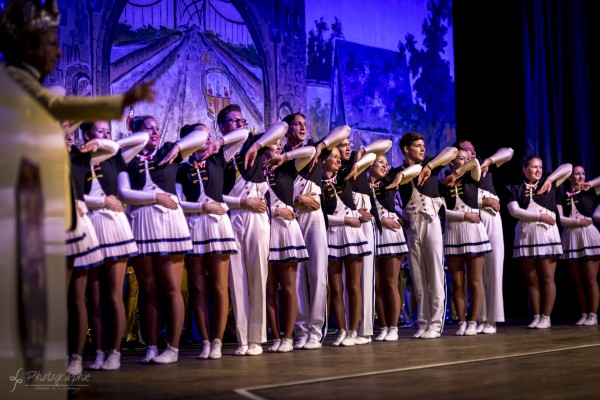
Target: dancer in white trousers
x,y
422,202
492,310
251,228
311,322
537,242
371,226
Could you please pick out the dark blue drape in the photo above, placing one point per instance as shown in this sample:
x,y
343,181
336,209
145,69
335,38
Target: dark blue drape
x,y
557,83
526,78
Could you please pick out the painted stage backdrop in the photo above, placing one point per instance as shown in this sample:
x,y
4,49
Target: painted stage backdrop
x,y
382,69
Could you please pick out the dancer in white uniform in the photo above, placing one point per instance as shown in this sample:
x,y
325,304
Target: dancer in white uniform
x,y
251,228
347,244
83,248
160,230
311,322
200,189
391,244
370,224
287,246
116,241
422,202
465,240
492,310
579,208
537,242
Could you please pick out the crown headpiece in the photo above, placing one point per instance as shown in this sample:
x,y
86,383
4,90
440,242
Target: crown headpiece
x,y
30,16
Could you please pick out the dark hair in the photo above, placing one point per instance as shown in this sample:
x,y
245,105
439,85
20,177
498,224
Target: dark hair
x,y
137,122
223,113
189,128
289,118
459,142
86,126
525,160
409,138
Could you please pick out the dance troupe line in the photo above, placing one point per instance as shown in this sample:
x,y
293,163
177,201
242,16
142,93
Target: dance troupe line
x,y
326,224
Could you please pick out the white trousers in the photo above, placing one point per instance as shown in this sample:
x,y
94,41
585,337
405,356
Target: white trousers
x,y
312,278
425,255
493,267
367,278
248,275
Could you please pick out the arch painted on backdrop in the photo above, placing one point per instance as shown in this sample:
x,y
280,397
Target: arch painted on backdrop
x,y
112,13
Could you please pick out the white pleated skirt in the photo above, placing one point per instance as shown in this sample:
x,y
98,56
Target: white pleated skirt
x,y
536,240
579,242
463,238
391,243
82,242
345,241
211,234
287,242
160,231
114,234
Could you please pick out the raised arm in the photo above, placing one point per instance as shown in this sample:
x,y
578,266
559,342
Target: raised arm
x,y
501,156
365,162
192,142
336,135
443,157
559,175
593,184
101,149
272,135
405,176
186,146
89,108
232,142
378,146
472,166
132,145
301,156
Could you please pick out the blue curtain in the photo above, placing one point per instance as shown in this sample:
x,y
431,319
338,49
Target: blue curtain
x,y
558,90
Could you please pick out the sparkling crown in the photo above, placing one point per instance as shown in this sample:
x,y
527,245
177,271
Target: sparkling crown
x,y
41,16
30,16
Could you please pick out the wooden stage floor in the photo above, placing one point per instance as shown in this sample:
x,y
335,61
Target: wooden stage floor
x,y
516,363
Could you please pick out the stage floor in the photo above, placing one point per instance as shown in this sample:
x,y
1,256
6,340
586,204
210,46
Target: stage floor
x,y
516,363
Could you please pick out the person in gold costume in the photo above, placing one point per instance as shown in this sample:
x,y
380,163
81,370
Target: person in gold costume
x,y
29,43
